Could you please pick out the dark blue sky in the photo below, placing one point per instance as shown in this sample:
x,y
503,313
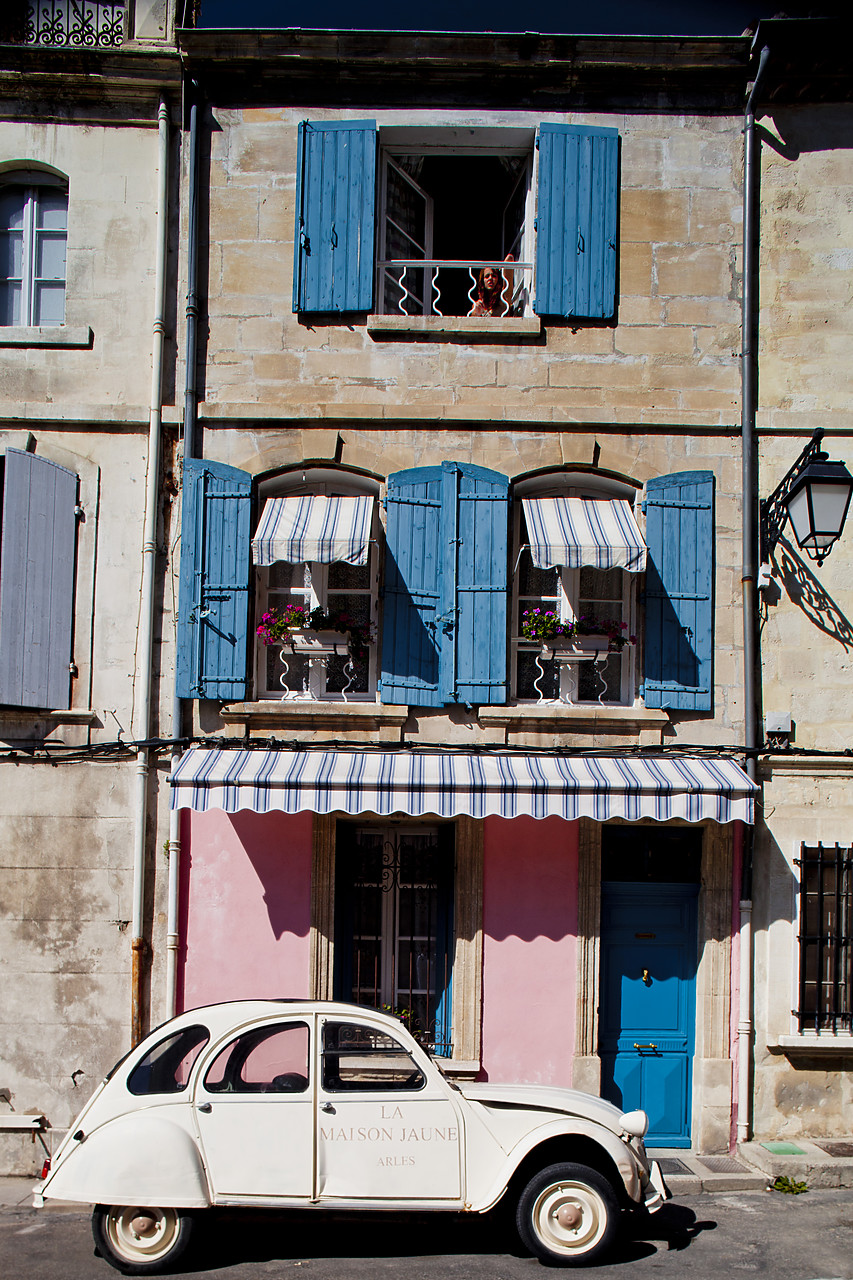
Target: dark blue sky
x,y
642,17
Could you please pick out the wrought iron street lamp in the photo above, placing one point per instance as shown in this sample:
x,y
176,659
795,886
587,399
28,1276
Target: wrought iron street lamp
x,y
815,495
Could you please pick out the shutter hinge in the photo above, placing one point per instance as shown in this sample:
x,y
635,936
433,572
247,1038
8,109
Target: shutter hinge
x,y
72,668
643,506
80,512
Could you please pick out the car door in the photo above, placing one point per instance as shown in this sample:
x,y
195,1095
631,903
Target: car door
x,y
387,1129
254,1112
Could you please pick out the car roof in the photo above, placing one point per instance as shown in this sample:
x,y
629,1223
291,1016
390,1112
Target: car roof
x,y
226,1014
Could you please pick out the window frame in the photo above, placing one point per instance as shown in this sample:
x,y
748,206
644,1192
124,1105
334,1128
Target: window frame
x,y
315,592
822,1024
571,485
32,182
450,141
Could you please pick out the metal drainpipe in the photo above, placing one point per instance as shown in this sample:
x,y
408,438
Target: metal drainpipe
x,y
173,938
749,369
149,559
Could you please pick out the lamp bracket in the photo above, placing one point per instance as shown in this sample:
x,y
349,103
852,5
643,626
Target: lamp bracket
x,y
773,511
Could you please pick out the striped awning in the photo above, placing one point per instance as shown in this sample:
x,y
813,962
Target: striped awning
x,y
596,532
451,783
314,527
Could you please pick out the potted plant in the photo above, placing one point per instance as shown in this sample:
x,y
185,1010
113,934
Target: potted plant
x,y
314,631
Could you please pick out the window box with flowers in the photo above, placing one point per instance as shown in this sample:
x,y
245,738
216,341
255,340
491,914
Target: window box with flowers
x,y
317,634
586,638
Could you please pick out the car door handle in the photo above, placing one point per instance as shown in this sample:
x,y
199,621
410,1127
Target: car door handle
x,y
205,1107
327,1106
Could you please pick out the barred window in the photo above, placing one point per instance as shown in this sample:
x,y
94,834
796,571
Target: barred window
x,y
826,949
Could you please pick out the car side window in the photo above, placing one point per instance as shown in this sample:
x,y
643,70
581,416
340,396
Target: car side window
x,y
270,1059
359,1059
166,1067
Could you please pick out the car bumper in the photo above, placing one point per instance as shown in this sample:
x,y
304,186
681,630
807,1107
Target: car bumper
x,y
657,1192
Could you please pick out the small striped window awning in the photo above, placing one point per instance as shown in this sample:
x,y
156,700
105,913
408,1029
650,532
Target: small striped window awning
x,y
314,527
452,783
597,533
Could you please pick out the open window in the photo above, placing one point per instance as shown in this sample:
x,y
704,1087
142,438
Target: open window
x,y
33,235
410,221
315,551
579,554
454,207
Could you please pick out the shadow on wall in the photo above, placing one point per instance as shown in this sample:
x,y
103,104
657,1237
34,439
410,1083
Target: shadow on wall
x,y
827,129
808,593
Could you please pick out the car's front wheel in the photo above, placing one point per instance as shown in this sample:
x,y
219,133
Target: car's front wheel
x,y
141,1240
568,1214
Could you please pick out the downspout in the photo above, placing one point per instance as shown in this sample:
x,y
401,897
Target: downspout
x,y
149,562
749,372
173,938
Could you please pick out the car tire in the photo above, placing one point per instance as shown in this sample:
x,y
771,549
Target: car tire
x,y
567,1214
141,1240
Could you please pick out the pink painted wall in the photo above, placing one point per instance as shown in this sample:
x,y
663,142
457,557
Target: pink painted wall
x,y
530,915
246,894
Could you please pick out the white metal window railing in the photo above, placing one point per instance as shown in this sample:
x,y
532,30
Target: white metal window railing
x,y
455,287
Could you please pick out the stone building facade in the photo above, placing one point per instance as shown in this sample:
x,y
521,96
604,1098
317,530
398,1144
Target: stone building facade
x,y
536,897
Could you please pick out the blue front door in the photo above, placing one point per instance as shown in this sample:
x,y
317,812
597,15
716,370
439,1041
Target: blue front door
x,y
647,1010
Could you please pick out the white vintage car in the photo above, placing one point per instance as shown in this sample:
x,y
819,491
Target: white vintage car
x,y
310,1104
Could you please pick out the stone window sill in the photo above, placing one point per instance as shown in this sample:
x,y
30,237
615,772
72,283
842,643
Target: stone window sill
x,y
458,1070
59,335
307,715
455,328
557,714
815,1044
81,715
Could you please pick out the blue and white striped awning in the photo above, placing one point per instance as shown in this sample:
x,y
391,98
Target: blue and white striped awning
x,y
452,783
596,532
314,527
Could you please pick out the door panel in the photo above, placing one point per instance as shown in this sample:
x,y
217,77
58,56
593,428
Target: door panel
x,y
647,1017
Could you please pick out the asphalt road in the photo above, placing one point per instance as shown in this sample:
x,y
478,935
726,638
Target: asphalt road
x,y
806,1237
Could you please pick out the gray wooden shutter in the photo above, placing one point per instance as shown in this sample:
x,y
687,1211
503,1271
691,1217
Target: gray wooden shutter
x,y
36,582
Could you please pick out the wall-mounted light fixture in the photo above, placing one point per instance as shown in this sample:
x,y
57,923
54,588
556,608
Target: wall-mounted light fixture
x,y
815,495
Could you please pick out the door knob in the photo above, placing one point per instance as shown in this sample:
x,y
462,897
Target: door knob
x,y
646,978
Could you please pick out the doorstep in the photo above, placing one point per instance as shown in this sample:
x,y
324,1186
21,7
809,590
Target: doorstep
x,y
827,1162
687,1173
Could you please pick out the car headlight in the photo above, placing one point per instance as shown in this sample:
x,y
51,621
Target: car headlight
x,y
634,1123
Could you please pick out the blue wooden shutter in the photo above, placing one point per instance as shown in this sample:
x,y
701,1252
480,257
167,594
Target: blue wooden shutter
x,y
475,529
410,632
679,630
335,202
36,581
576,221
213,612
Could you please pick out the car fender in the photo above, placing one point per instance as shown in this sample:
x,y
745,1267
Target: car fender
x,y
134,1159
622,1156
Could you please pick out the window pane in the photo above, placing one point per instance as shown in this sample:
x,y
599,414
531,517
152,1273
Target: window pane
x,y
600,680
339,676
166,1067
12,201
11,254
265,1060
49,304
52,210
537,582
349,577
292,678
50,256
284,576
358,1059
528,672
10,303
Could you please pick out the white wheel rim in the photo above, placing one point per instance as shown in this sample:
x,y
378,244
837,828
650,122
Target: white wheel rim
x,y
130,1244
579,1202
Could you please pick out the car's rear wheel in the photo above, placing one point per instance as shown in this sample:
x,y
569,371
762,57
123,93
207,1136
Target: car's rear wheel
x,y
141,1239
568,1214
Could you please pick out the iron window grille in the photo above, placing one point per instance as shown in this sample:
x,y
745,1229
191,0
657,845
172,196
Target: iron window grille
x,y
826,948
73,24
